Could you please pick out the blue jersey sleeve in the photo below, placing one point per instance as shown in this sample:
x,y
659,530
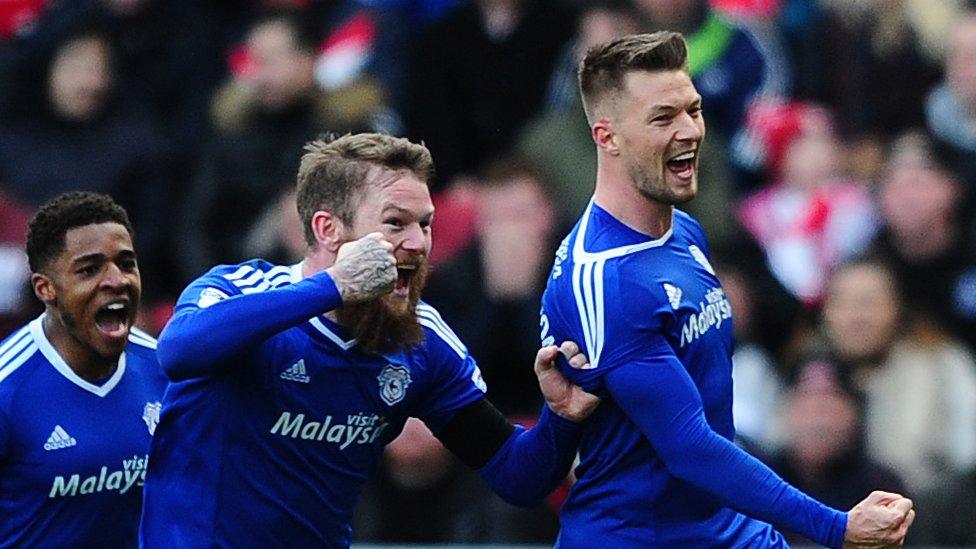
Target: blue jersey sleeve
x,y
455,379
659,396
215,320
530,465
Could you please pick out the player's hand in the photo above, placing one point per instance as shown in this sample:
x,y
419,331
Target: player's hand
x,y
565,399
364,269
880,520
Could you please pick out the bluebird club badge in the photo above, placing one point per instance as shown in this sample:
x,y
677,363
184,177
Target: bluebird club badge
x,y
393,383
150,414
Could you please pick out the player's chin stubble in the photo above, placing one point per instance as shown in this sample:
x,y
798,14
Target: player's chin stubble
x,y
380,326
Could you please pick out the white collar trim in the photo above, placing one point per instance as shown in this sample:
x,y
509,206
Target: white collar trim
x,y
296,276
52,356
296,272
580,255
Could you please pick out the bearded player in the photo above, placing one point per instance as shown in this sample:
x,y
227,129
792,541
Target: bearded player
x,y
288,381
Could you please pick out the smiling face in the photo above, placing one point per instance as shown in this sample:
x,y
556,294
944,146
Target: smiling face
x,y
91,291
659,128
398,205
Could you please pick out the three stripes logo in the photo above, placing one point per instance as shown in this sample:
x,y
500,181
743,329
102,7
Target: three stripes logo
x,y
674,295
59,439
296,373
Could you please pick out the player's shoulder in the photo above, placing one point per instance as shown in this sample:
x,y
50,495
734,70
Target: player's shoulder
x,y
142,343
439,337
140,359
684,219
223,281
141,351
251,276
686,226
19,354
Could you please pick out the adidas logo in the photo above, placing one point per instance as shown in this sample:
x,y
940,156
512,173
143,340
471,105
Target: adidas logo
x,y
674,295
296,373
59,439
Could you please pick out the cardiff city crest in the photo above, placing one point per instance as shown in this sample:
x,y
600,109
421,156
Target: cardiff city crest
x,y
393,383
150,414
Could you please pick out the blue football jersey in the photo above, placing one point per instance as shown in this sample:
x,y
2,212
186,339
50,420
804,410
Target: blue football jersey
x,y
73,454
624,297
272,448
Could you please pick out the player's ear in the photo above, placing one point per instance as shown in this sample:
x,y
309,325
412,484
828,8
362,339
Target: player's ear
x,y
604,137
328,230
44,289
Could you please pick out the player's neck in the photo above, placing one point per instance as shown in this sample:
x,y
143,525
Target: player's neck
x,y
617,195
81,358
316,261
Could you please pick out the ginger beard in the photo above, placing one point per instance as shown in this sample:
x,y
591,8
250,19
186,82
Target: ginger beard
x,y
389,323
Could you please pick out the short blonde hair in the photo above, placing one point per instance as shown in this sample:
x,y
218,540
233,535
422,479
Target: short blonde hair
x,y
335,170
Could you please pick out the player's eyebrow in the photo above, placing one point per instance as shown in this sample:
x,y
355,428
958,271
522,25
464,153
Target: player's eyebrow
x,y
669,107
403,211
88,258
99,256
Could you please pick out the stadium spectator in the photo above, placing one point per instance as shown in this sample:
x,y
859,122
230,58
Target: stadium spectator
x,y
80,387
852,56
809,217
822,422
166,63
77,134
262,117
919,385
501,274
478,75
924,208
950,107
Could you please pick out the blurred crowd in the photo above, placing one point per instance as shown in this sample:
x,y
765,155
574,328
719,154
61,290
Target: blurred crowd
x,y
838,184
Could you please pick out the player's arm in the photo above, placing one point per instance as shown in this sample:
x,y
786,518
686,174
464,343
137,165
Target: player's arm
x,y
521,465
660,397
198,340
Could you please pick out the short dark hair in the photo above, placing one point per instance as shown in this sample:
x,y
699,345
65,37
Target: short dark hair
x,y
334,171
602,70
46,231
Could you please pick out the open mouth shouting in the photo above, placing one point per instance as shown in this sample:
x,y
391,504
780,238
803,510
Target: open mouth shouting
x,y
682,165
114,319
405,274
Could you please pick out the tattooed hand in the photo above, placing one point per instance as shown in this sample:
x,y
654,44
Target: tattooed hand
x,y
364,269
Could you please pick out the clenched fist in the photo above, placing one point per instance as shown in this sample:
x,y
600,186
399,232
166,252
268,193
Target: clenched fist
x,y
881,520
364,269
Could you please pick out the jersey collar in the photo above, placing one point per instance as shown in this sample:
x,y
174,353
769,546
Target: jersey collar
x,y
52,356
321,324
580,255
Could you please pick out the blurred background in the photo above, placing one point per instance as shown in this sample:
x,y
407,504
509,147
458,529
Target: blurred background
x,y
838,184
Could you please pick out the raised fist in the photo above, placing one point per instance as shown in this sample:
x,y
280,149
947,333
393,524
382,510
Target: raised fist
x,y
364,269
